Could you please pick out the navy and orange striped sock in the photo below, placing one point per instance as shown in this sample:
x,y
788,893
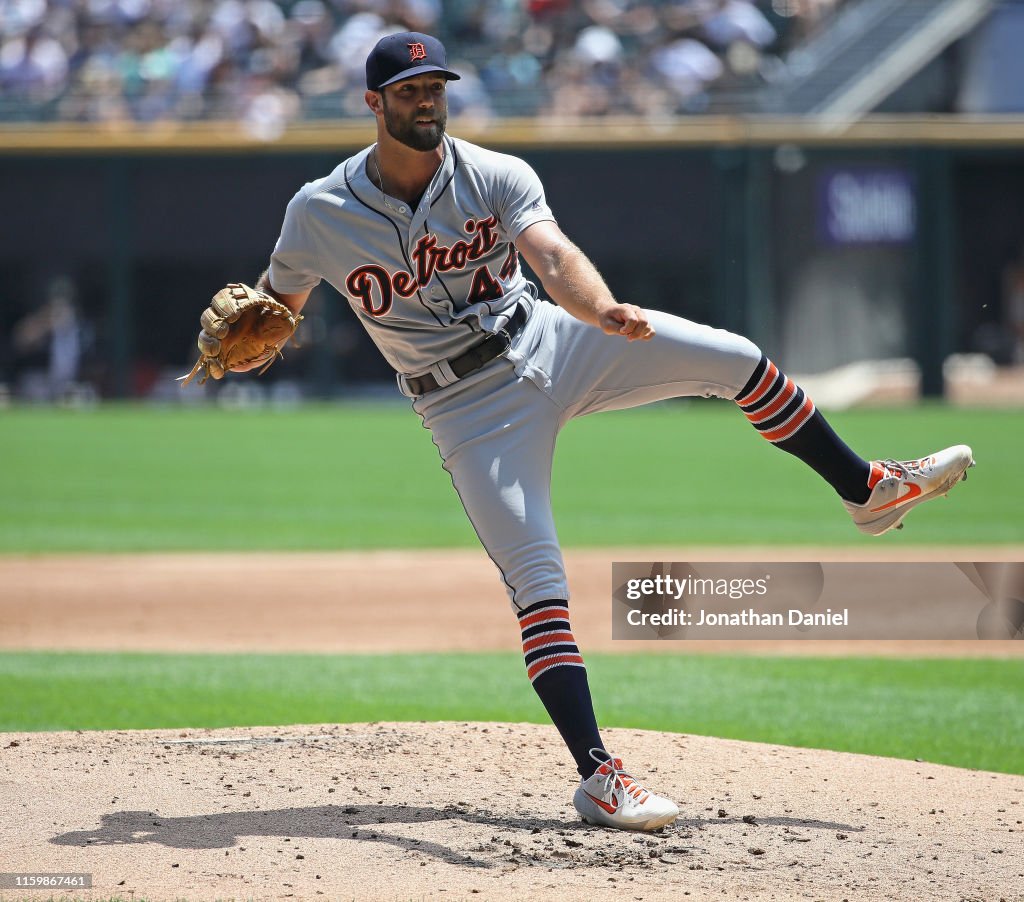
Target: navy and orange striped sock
x,y
778,408
555,668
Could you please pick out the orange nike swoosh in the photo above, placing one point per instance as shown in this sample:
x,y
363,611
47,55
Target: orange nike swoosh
x,y
912,492
611,809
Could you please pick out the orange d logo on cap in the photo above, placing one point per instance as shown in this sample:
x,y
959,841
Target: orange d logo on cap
x,y
417,52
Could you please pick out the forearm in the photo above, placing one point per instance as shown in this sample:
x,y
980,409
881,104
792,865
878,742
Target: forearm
x,y
574,283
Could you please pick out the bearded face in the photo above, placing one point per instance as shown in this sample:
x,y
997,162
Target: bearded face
x,y
416,112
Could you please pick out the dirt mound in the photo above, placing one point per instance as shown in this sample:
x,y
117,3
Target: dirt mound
x,y
459,810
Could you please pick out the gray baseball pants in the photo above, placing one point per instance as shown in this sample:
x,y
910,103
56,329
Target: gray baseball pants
x,y
496,428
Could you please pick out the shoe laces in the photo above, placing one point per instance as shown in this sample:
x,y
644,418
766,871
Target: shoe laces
x,y
894,469
897,469
617,777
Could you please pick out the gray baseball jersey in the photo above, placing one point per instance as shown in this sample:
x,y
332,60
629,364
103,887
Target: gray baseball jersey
x,y
428,283
425,282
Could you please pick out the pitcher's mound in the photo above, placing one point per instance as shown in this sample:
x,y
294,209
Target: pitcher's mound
x,y
483,811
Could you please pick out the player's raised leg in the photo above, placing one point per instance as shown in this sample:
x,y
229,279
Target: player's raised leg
x,y
595,372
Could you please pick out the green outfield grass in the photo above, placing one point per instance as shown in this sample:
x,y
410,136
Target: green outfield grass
x,y
961,712
358,476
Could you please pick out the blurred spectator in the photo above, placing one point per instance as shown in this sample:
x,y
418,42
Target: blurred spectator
x,y
268,107
267,63
686,67
33,67
48,346
735,21
803,18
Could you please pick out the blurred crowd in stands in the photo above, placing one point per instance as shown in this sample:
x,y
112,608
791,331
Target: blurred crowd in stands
x,y
271,62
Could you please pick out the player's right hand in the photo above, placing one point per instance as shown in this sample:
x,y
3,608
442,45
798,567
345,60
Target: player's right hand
x,y
627,320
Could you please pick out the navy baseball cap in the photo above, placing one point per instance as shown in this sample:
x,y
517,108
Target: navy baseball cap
x,y
405,55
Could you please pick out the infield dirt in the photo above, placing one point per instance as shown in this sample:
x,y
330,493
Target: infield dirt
x,y
375,601
457,810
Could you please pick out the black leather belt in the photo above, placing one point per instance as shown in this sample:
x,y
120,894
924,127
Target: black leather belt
x,y
476,357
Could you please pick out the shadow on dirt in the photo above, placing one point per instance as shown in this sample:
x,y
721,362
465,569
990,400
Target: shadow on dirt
x,y
360,823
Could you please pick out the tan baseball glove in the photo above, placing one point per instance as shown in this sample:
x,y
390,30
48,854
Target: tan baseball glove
x,y
242,328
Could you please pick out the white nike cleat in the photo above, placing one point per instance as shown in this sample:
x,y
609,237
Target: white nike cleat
x,y
899,485
613,798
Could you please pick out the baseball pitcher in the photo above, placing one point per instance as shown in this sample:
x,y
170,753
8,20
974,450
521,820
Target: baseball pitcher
x,y
422,233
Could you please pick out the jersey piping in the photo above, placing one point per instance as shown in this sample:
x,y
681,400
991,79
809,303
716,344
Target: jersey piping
x,y
401,244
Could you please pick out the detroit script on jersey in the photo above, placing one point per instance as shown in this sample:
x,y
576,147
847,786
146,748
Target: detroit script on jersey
x,y
426,281
375,287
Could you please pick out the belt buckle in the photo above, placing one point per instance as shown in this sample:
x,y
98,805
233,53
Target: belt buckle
x,y
506,335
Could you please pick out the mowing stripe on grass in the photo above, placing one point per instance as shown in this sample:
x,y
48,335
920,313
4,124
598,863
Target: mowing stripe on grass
x,y
964,712
136,479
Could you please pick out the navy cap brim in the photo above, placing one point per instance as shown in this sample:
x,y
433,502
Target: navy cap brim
x,y
418,70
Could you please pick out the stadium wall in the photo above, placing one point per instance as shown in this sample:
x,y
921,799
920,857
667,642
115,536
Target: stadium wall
x,y
825,244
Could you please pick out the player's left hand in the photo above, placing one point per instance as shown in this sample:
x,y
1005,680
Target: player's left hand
x,y
628,320
243,328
